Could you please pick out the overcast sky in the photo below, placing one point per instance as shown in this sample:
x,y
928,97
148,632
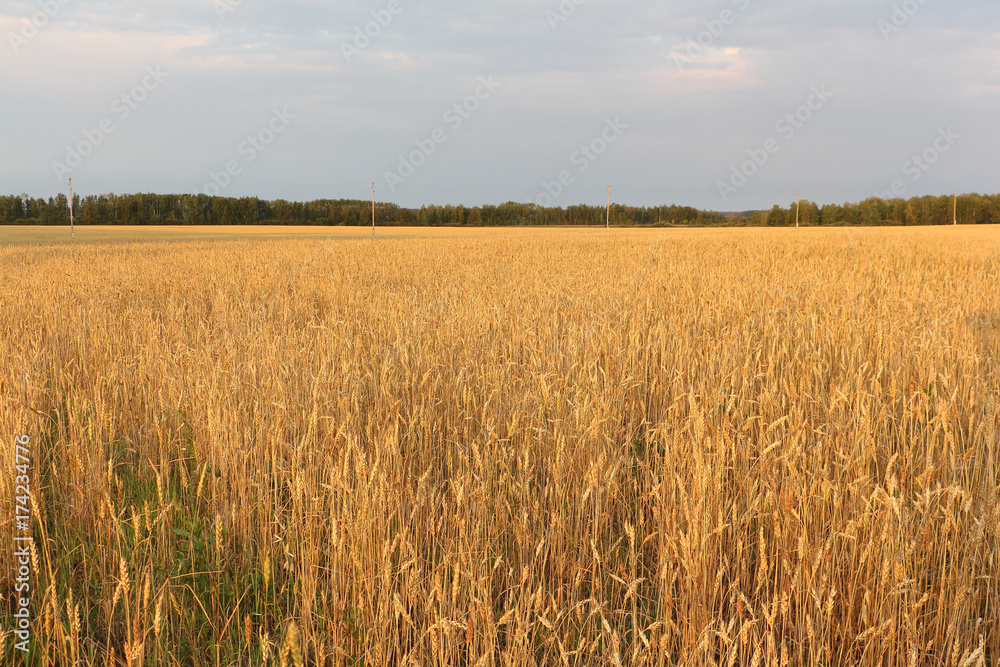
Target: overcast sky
x,y
724,105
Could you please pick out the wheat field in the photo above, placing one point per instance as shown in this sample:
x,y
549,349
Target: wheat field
x,y
718,447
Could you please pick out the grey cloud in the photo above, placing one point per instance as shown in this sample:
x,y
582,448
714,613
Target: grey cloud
x,y
688,125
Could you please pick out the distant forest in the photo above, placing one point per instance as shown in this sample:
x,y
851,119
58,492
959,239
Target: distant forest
x,y
150,209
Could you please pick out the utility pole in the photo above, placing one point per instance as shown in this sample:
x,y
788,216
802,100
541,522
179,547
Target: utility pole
x,y
798,205
373,208
72,229
609,207
956,206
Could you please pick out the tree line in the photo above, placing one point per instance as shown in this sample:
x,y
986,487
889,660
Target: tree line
x,y
152,209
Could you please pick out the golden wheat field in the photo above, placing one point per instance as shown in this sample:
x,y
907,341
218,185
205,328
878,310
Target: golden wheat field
x,y
718,447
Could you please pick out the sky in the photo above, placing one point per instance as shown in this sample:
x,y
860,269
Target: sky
x,y
726,105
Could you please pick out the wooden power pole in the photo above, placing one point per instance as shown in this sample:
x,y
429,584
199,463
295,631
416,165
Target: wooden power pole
x,y
72,229
373,208
609,207
956,206
798,205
